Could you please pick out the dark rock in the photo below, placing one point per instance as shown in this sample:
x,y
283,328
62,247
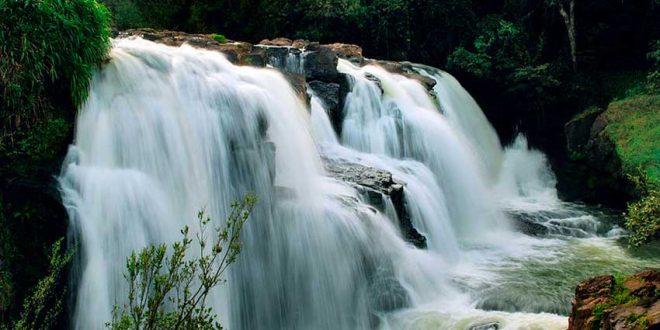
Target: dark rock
x,y
376,80
333,95
321,65
312,46
386,293
328,92
256,57
578,130
525,223
377,184
486,326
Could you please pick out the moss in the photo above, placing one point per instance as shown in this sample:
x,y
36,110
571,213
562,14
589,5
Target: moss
x,y
219,38
633,127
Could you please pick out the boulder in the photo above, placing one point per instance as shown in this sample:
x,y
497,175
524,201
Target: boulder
x,y
276,42
348,52
377,184
300,43
404,69
578,130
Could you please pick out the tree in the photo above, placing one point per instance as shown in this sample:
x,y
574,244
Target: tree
x,y
568,16
168,289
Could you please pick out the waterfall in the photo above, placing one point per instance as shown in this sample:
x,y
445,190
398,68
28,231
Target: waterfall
x,y
169,131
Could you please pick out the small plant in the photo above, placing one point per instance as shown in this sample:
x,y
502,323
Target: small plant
x,y
219,38
168,288
643,215
44,305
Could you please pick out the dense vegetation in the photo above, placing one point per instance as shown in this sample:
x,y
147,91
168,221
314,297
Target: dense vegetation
x,y
48,50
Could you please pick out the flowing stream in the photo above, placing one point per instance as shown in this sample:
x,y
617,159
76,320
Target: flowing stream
x,y
169,131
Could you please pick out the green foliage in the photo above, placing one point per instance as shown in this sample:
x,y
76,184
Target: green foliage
x,y
42,142
125,14
46,43
633,127
653,77
43,306
168,288
219,38
498,50
477,64
643,215
624,84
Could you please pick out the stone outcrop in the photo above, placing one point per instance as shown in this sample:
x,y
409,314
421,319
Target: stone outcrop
x,y
377,185
348,52
604,302
595,157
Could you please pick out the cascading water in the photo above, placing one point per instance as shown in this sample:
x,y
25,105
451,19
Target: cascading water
x,y
169,131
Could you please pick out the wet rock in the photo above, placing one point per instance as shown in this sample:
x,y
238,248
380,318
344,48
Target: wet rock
x,y
404,69
377,184
386,293
525,223
297,82
376,80
602,303
333,95
328,92
486,326
312,46
321,65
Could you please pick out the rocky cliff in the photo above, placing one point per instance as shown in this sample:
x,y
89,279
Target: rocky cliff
x,y
617,302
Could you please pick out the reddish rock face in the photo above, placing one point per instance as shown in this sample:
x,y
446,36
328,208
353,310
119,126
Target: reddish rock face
x,y
601,303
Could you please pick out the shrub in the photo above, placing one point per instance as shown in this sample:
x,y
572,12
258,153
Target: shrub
x,y
48,44
158,277
44,305
643,215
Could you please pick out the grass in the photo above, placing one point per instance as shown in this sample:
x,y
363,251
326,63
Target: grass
x,y
633,127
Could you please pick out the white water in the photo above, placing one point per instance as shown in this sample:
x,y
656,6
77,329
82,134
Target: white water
x,y
169,131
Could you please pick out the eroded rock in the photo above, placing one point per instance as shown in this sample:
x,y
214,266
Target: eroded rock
x,y
377,184
603,303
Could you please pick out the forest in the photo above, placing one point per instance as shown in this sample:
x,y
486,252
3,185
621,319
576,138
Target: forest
x,y
580,79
